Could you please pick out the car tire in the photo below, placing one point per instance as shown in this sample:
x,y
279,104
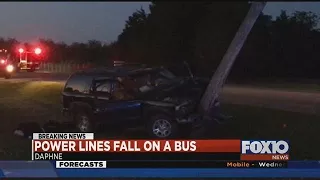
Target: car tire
x,y
7,76
162,126
83,121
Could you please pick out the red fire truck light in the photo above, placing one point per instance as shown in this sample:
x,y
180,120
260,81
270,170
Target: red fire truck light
x,y
21,50
37,51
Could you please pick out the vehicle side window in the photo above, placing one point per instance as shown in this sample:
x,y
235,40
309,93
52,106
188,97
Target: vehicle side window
x,y
120,93
78,84
103,87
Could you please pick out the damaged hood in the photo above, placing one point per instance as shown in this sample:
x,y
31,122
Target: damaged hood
x,y
179,91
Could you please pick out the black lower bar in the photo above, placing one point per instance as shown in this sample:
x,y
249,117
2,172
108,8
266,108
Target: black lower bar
x,y
193,164
151,156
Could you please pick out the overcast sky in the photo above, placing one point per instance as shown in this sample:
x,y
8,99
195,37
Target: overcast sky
x,y
82,21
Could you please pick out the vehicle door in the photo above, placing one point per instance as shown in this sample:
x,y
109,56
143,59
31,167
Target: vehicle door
x,y
77,90
101,88
125,106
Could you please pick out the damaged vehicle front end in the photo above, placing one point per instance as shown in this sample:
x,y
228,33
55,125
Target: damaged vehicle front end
x,y
185,109
178,98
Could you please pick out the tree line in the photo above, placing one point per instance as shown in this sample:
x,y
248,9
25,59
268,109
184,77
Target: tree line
x,y
286,46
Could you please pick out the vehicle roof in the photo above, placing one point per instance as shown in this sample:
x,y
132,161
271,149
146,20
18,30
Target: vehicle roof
x,y
120,71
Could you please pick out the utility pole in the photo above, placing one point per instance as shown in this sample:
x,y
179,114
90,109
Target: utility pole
x,y
217,81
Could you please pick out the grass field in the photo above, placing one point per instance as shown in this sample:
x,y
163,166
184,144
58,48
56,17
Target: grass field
x,y
40,101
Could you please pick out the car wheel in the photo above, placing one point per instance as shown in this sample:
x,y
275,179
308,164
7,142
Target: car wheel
x,y
83,122
7,76
162,127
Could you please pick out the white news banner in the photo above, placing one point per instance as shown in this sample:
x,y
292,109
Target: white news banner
x,y
81,164
61,136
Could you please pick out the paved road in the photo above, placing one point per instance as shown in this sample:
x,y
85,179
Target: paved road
x,y
279,99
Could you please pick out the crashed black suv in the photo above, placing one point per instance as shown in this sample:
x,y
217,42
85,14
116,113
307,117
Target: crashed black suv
x,y
131,97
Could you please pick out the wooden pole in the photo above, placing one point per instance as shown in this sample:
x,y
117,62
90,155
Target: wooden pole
x,y
215,86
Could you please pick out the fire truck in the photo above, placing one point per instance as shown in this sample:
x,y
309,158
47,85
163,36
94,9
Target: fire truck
x,y
29,58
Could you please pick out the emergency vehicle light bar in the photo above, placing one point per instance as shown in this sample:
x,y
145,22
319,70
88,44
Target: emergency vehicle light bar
x,y
37,51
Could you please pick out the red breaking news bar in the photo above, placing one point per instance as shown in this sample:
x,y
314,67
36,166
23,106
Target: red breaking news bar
x,y
225,146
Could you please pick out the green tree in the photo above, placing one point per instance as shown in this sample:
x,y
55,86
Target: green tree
x,y
131,42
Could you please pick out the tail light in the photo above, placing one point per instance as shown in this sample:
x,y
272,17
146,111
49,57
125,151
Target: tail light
x,y
2,61
21,50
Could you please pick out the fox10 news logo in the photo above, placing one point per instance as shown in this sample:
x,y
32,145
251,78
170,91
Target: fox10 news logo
x,y
265,150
